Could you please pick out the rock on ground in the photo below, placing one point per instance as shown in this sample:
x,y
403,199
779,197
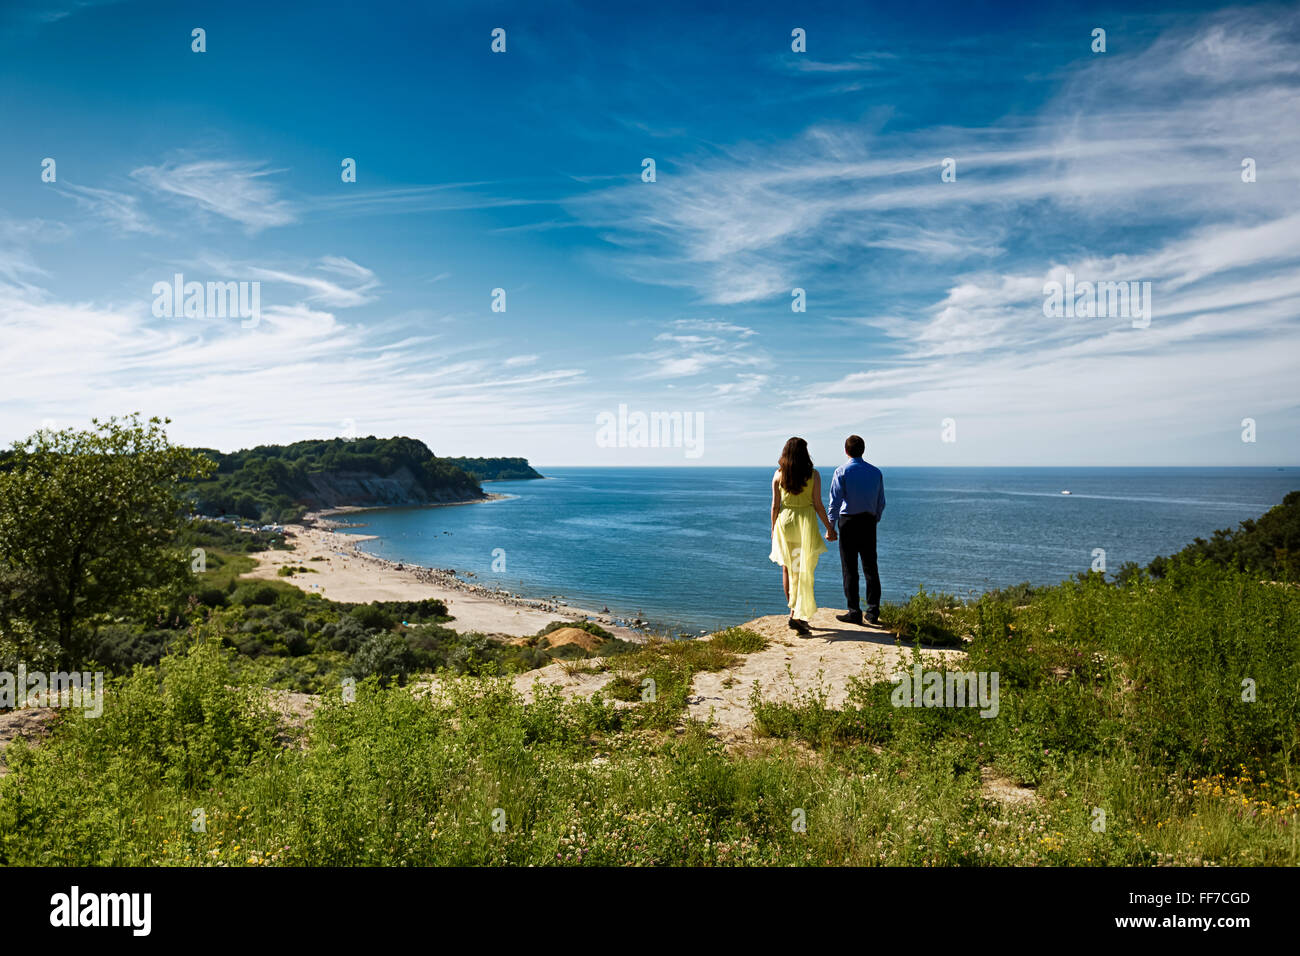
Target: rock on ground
x,y
29,723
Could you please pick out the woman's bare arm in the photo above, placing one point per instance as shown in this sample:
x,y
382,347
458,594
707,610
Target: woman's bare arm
x,y
776,498
817,502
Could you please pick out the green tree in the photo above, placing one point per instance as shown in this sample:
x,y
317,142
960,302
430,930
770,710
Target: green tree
x,y
88,516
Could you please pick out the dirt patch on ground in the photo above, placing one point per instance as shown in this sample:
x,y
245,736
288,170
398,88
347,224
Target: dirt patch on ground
x,y
294,710
996,786
572,678
790,667
32,724
794,665
572,635
577,678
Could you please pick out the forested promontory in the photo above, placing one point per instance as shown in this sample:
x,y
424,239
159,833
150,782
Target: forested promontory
x,y
496,469
280,482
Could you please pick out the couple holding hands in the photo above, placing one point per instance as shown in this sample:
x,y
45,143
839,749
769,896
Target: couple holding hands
x,y
857,502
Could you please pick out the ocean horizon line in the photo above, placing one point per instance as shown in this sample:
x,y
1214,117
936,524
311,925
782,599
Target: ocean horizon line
x,y
951,467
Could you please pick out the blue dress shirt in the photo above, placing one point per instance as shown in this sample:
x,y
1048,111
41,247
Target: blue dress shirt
x,y
857,487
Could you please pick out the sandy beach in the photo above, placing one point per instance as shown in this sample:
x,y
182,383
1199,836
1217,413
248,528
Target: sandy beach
x,y
342,572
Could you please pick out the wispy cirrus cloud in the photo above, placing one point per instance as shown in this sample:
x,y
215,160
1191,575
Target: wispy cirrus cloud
x,y
41,14
240,191
119,210
858,63
691,347
331,281
17,237
1157,134
407,200
358,289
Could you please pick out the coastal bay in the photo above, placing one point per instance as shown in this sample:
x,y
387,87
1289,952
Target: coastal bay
x,y
342,571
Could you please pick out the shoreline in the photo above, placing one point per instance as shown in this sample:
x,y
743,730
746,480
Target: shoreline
x,y
325,516
341,571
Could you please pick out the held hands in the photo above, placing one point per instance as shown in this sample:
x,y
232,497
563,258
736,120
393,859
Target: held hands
x,y
831,535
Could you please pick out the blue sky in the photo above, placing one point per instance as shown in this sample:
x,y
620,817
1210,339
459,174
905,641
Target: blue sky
x,y
775,170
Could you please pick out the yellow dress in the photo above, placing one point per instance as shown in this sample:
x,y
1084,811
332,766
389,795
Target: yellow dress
x,y
796,545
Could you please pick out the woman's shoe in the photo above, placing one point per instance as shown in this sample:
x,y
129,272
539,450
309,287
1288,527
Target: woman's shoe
x,y
800,626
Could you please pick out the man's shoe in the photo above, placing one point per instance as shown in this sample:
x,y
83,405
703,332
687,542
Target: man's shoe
x,y
852,617
874,619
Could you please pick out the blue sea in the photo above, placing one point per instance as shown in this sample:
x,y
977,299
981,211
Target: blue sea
x,y
687,548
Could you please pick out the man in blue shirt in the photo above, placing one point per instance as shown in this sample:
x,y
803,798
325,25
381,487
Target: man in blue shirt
x,y
857,502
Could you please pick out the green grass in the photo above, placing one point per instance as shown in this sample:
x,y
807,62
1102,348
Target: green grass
x,y
659,673
1120,699
931,619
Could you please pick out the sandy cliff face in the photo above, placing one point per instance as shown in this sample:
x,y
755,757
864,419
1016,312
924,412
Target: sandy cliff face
x,y
334,489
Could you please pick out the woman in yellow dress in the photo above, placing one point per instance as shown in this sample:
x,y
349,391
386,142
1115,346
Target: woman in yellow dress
x,y
796,540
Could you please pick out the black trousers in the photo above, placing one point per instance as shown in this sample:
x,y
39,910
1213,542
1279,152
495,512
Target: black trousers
x,y
858,542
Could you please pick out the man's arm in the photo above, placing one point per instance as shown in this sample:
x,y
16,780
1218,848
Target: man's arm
x,y
880,499
837,497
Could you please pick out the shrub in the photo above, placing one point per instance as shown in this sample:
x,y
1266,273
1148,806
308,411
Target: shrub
x,y
251,593
120,647
372,617
385,656
211,597
589,626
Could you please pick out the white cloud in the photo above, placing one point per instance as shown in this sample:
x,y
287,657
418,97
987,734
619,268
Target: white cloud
x,y
1154,135
17,264
235,190
118,209
695,346
298,373
322,291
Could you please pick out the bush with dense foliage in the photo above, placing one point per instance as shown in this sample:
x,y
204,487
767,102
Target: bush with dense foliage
x,y
1269,546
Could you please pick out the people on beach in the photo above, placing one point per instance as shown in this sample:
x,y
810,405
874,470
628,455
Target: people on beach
x,y
857,504
796,543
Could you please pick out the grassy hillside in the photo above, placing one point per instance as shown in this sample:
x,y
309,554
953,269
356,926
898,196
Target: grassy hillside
x,y
1149,722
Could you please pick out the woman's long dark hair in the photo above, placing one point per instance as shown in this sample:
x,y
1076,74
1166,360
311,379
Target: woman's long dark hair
x,y
796,465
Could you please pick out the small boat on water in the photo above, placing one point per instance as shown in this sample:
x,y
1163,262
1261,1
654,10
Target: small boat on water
x,y
1065,492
